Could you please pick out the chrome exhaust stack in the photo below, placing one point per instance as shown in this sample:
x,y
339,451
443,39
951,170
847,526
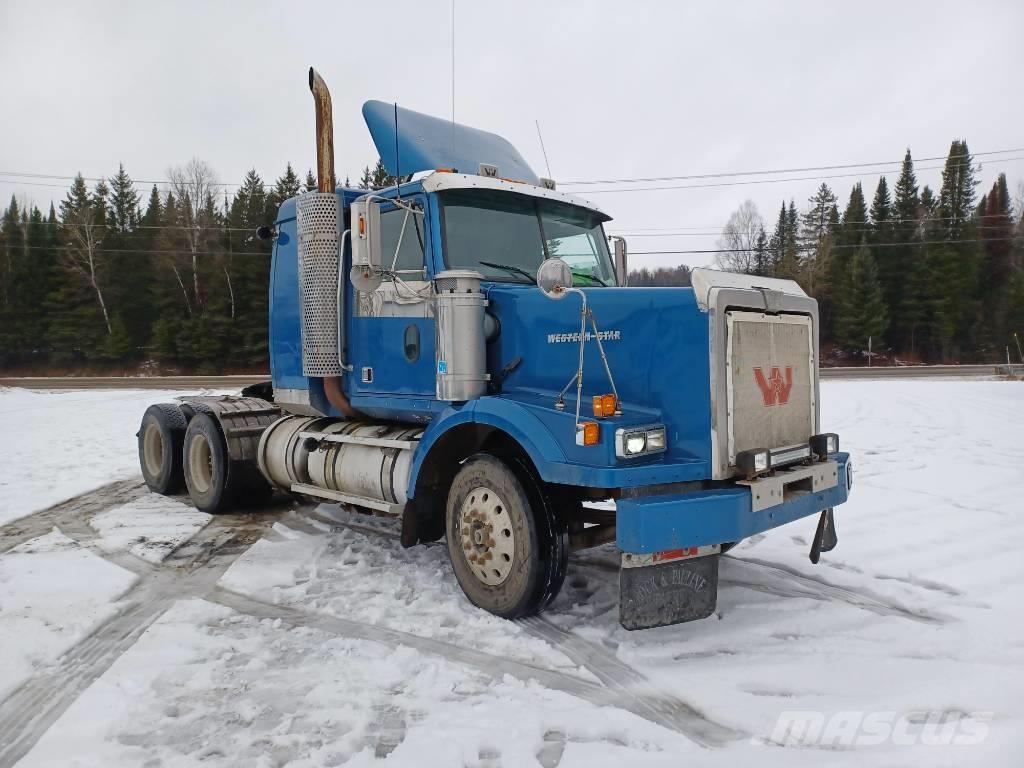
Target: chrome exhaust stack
x,y
320,226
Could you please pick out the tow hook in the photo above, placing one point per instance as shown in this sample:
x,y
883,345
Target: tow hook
x,y
825,538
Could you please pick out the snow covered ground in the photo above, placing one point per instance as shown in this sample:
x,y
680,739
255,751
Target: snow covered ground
x,y
57,445
306,636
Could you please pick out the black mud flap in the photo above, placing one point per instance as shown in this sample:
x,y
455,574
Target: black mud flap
x,y
825,538
668,593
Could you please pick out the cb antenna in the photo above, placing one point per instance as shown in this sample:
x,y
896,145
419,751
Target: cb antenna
x,y
539,136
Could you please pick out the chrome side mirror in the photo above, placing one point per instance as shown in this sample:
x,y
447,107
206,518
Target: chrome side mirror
x,y
554,278
366,254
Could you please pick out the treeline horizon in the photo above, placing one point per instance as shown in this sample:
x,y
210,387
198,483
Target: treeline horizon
x,y
919,274
103,282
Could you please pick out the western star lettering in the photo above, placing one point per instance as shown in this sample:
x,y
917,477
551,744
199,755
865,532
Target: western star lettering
x,y
560,338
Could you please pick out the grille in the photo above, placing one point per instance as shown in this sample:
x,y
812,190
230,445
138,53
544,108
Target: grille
x,y
318,220
770,381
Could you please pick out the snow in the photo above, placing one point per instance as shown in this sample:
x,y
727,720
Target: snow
x,y
150,527
326,643
59,444
53,592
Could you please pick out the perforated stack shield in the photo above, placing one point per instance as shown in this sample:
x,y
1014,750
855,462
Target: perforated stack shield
x,y
319,224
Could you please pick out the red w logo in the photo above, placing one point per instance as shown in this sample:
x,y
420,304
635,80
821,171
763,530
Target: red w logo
x,y
774,389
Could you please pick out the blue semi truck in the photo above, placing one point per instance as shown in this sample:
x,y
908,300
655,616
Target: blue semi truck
x,y
461,351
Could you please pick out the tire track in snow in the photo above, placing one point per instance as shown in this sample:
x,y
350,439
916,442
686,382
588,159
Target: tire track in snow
x,y
784,581
28,712
697,728
627,688
632,685
80,508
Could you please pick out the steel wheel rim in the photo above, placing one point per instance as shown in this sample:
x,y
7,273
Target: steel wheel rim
x,y
200,464
486,536
153,449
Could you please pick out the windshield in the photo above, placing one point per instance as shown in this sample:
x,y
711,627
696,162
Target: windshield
x,y
506,236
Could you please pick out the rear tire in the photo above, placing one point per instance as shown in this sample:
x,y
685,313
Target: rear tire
x,y
207,467
507,547
161,436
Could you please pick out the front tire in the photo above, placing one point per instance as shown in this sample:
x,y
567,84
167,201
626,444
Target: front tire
x,y
207,467
506,545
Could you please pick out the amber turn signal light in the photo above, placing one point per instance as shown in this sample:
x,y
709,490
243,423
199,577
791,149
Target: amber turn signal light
x,y
587,433
604,406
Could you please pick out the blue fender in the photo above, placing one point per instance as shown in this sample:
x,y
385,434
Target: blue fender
x,y
508,416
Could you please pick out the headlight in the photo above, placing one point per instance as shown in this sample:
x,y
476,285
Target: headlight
x,y
754,462
656,439
824,444
639,441
636,443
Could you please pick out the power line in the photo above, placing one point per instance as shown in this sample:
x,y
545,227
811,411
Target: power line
x,y
726,174
834,247
868,228
634,253
748,182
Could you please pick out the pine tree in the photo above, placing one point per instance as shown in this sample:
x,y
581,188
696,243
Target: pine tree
x,y
251,270
963,256
310,185
817,236
862,315
995,226
14,324
130,271
286,186
904,260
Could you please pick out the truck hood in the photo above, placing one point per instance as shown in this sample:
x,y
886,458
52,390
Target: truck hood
x,y
656,340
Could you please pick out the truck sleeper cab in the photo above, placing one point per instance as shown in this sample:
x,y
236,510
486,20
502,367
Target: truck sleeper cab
x,y
419,370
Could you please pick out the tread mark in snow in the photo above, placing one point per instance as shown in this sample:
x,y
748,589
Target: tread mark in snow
x,y
30,710
698,729
78,508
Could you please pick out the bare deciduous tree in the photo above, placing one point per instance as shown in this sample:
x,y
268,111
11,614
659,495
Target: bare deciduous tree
x,y
739,239
83,221
193,186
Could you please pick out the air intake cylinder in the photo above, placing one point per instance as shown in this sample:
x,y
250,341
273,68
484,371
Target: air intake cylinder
x,y
461,354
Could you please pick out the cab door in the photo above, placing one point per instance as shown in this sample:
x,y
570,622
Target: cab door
x,y
391,346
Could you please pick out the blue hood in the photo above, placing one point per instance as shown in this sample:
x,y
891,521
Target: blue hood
x,y
657,344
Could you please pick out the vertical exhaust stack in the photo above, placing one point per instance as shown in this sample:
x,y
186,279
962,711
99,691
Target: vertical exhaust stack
x,y
320,224
324,132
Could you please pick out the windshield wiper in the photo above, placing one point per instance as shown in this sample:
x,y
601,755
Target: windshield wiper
x,y
589,276
509,268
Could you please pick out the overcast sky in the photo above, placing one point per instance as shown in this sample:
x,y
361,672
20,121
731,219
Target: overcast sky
x,y
621,90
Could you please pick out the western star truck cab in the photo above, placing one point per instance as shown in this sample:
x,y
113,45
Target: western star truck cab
x,y
461,350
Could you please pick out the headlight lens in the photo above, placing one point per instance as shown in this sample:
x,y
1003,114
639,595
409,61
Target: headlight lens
x,y
832,443
636,443
656,439
639,441
761,461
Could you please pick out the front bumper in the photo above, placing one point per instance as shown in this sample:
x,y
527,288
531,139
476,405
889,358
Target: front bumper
x,y
657,523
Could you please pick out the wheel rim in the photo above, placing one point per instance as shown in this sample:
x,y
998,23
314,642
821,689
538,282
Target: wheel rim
x,y
153,449
200,464
486,535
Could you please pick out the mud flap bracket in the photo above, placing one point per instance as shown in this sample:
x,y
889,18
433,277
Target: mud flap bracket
x,y
668,587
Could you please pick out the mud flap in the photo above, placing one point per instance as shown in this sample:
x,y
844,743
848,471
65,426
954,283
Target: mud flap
x,y
658,594
825,538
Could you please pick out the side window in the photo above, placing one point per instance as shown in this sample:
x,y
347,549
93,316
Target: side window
x,y
401,239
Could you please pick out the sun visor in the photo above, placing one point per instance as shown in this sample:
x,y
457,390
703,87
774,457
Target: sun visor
x,y
427,143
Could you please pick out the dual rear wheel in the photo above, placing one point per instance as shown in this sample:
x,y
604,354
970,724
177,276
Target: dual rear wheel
x,y
175,452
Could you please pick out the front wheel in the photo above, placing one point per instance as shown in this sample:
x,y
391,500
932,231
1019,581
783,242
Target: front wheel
x,y
506,545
